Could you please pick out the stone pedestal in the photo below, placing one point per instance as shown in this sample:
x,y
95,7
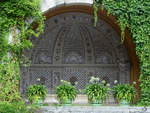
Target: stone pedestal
x,y
80,99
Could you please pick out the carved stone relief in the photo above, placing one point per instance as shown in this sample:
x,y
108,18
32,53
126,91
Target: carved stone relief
x,y
73,49
104,57
73,58
42,57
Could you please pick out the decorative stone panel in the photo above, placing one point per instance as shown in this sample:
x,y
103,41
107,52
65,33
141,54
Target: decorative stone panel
x,y
72,49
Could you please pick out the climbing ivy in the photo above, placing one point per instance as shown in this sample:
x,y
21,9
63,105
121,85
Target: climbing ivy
x,y
9,76
134,15
20,19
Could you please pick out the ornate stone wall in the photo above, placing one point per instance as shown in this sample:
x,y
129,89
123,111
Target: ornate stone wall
x,y
72,49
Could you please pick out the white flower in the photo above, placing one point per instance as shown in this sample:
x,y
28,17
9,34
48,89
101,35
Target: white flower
x,y
92,77
96,79
108,85
115,82
134,83
103,81
91,81
61,80
38,79
76,83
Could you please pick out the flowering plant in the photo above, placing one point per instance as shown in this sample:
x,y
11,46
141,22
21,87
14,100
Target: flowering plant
x,y
65,92
96,91
35,92
125,92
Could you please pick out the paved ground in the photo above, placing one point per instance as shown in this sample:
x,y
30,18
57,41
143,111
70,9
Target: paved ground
x,y
93,109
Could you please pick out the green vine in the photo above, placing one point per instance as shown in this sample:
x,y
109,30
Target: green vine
x,y
22,15
95,6
19,18
135,15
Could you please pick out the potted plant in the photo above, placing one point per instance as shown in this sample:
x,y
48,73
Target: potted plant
x,y
36,94
125,94
66,93
96,91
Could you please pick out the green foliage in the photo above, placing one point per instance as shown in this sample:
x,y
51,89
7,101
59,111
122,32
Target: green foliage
x,y
135,15
145,92
35,92
95,6
20,107
65,92
17,17
9,80
96,91
125,92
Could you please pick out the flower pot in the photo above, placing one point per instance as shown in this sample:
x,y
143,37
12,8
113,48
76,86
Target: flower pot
x,y
40,102
124,103
97,103
68,103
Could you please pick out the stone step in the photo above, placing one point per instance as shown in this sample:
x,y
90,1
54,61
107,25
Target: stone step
x,y
93,109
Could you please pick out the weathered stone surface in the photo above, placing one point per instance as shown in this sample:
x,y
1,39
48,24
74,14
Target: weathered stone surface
x,y
91,109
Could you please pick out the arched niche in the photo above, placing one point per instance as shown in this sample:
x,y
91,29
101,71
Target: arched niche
x,y
76,57
111,20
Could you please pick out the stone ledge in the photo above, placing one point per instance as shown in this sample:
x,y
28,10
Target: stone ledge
x,y
80,99
93,109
